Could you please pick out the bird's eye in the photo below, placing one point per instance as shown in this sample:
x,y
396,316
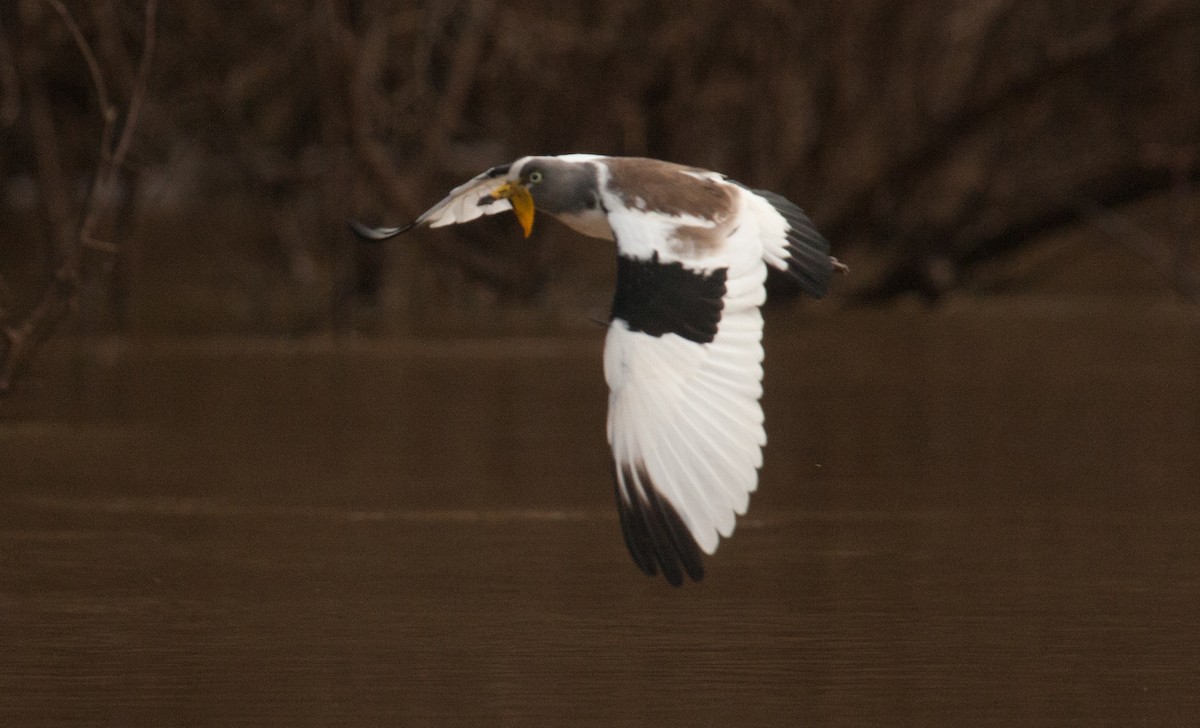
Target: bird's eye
x,y
535,176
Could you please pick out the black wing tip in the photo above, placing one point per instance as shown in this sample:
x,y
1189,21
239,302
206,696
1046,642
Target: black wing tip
x,y
811,270
808,263
656,536
374,235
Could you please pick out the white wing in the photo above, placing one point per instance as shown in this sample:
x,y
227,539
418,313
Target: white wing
x,y
684,421
473,199
468,201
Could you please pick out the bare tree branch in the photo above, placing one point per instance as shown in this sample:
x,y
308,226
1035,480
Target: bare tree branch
x,y
62,293
10,83
89,57
1156,252
113,156
463,69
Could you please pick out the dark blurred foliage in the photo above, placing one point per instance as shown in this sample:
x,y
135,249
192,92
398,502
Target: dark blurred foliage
x,y
925,138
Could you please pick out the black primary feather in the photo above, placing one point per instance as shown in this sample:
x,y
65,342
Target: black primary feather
x,y
375,235
655,534
808,259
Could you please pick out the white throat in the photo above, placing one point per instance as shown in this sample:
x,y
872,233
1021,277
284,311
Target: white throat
x,y
592,223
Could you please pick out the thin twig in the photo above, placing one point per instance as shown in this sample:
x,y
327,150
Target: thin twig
x,y
6,299
89,57
10,84
462,76
101,245
113,157
139,87
108,115
1184,280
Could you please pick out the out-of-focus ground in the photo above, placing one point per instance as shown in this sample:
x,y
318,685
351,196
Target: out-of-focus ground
x,y
986,515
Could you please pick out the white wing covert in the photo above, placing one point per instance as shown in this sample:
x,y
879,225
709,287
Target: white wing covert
x,y
468,201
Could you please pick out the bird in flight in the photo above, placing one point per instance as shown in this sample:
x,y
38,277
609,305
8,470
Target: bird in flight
x,y
683,354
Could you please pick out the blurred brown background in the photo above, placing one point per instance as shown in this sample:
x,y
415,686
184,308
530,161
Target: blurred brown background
x,y
253,472
934,143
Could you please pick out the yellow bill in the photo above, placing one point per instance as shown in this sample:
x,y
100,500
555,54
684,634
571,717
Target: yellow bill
x,y
522,203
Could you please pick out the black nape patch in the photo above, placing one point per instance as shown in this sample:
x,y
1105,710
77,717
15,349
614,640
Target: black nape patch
x,y
655,535
666,298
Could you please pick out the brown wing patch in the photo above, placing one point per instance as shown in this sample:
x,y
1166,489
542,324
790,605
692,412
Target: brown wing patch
x,y
653,185
697,242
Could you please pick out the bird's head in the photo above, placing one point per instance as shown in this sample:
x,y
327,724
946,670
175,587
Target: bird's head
x,y
554,185
519,189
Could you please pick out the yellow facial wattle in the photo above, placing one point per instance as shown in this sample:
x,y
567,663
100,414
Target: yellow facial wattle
x,y
522,203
